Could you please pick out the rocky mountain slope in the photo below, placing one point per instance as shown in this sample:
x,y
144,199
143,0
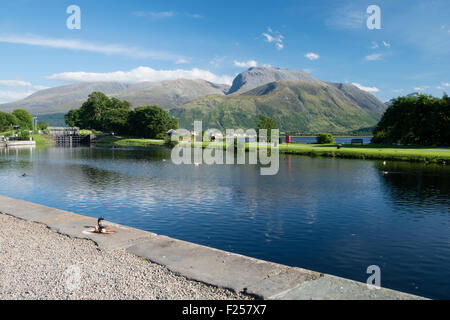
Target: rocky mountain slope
x,y
296,105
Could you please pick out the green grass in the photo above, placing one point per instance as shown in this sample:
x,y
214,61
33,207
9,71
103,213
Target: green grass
x,y
378,152
111,141
41,141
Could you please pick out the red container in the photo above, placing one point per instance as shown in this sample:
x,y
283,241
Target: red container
x,y
288,139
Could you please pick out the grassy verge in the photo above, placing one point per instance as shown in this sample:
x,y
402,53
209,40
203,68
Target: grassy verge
x,y
110,141
378,152
41,141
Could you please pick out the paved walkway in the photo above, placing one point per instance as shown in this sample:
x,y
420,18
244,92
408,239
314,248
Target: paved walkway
x,y
37,263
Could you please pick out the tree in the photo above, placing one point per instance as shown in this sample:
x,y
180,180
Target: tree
x,y
151,122
101,113
267,123
42,125
325,138
422,120
25,120
7,120
72,118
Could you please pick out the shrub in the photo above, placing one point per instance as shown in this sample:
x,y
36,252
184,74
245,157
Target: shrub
x,y
23,136
325,138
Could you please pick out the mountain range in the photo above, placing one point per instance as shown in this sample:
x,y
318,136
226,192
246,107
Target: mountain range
x,y
296,100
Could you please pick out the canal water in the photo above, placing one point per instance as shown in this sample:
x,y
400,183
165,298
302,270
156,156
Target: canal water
x,y
335,216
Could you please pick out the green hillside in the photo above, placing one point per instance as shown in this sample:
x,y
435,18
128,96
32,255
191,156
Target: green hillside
x,y
296,106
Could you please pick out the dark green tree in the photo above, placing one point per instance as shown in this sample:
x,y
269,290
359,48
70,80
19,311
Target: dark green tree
x,y
151,122
101,113
7,120
325,138
25,120
422,120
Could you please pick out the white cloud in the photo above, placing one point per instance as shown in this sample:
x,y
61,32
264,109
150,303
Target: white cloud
x,y
373,57
141,74
312,56
182,61
8,96
274,37
80,45
446,84
422,88
158,15
14,83
367,89
20,84
386,44
349,16
154,14
246,64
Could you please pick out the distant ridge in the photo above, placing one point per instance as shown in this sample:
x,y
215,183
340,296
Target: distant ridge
x,y
306,106
166,94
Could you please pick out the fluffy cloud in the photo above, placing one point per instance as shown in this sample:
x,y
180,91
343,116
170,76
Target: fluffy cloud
x,y
14,83
20,84
373,57
246,64
141,74
367,89
312,56
8,96
386,44
274,37
79,45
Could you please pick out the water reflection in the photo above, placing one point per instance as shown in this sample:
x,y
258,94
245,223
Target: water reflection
x,y
332,215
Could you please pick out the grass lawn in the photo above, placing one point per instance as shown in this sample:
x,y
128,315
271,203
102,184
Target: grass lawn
x,y
111,141
41,141
380,152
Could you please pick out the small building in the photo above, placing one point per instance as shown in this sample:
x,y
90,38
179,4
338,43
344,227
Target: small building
x,y
63,131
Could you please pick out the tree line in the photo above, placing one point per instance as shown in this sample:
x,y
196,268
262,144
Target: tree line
x,y
422,120
106,114
18,117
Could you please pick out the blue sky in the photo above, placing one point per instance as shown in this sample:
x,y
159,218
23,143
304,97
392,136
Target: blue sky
x,y
215,40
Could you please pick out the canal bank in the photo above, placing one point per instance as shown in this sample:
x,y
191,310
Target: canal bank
x,y
221,269
440,155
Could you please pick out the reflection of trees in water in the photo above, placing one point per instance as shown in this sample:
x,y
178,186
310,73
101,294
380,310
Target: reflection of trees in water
x,y
22,157
427,184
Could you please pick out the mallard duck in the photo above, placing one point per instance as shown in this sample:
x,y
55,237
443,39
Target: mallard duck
x,y
99,228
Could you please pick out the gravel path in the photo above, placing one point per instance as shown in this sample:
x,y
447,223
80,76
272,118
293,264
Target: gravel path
x,y
37,263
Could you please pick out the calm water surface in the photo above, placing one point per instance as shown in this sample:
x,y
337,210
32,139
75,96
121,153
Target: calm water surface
x,y
330,215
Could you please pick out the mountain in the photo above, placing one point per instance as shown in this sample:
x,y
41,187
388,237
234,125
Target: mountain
x,y
255,77
296,105
415,95
166,94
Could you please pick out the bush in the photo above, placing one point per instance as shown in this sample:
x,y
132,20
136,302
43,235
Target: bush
x,y
23,136
422,120
325,138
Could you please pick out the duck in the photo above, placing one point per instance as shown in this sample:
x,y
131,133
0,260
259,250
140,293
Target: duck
x,y
99,228
24,175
